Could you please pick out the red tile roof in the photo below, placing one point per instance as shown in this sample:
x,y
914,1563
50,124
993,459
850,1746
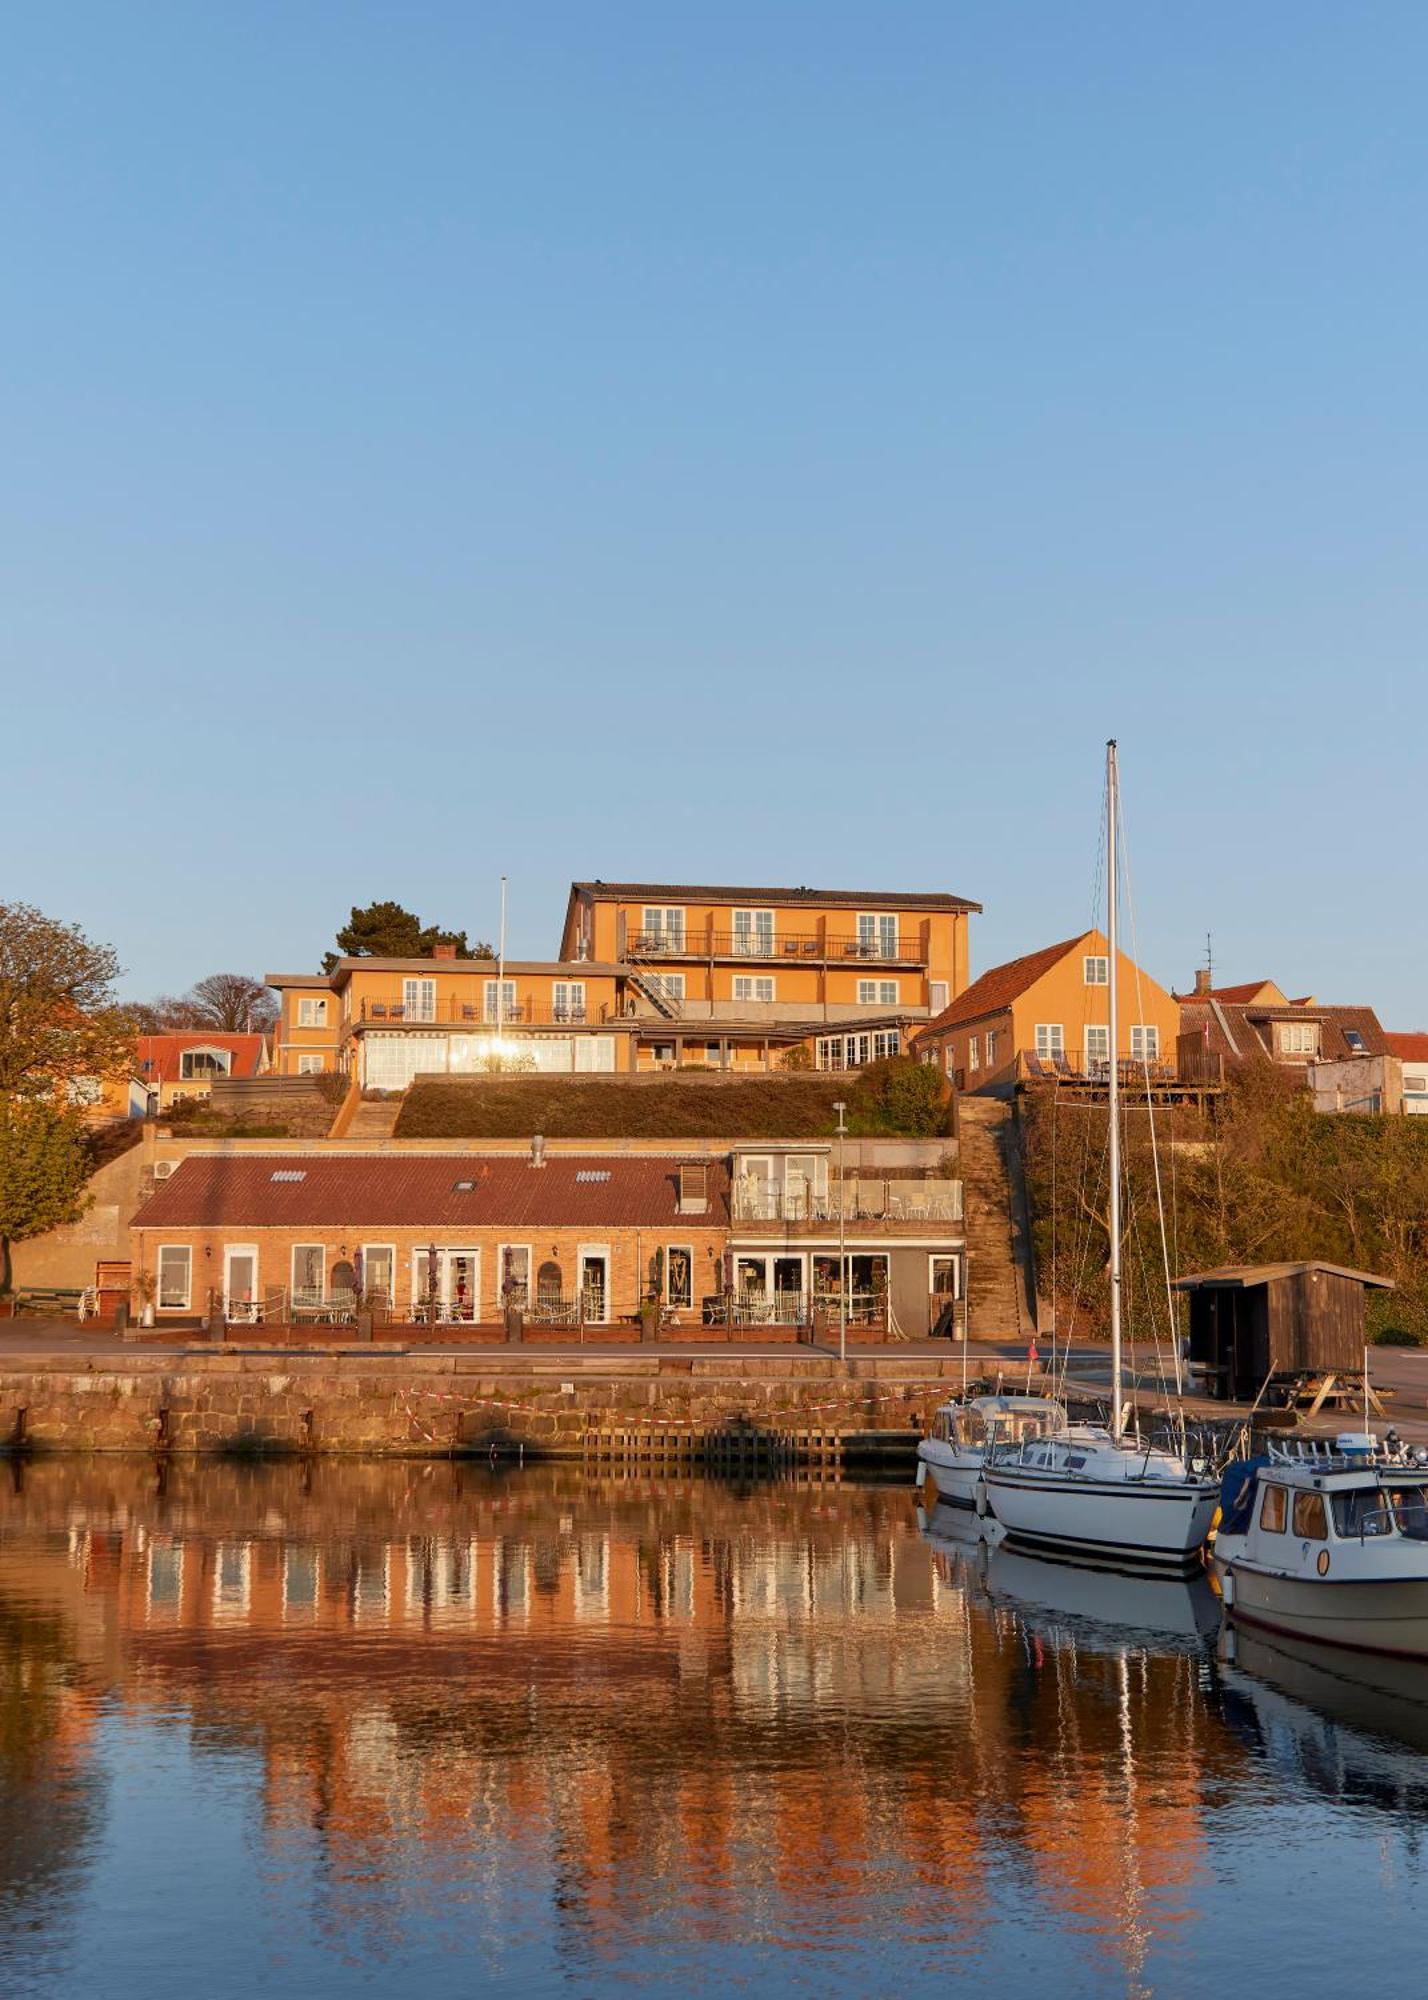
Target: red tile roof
x,y
1234,996
1001,984
157,1056
1411,1048
1244,1034
424,1192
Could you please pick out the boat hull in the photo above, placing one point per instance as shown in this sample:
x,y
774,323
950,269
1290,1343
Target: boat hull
x,y
1379,1615
952,1476
1145,1524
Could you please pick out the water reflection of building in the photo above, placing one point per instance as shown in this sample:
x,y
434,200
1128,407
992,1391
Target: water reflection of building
x,y
665,1696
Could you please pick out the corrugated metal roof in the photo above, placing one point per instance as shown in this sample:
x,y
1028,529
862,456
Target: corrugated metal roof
x,y
278,1191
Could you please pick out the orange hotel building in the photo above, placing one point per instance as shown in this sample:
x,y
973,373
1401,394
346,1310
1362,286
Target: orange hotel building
x,y
650,976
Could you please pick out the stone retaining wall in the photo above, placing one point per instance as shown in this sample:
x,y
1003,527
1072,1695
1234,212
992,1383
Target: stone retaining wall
x,y
432,1406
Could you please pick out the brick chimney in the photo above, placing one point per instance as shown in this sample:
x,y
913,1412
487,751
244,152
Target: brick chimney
x,y
443,951
1202,979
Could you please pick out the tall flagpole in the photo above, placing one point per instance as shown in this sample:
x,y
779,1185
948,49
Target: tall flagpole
x,y
1114,1154
501,975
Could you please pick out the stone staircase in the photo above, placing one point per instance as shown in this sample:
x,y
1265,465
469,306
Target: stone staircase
x,y
376,1120
1000,1301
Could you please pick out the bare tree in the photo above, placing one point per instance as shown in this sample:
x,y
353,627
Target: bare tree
x,y
234,1003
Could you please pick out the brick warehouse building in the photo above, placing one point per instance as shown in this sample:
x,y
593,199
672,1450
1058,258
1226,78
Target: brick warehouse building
x,y
573,1240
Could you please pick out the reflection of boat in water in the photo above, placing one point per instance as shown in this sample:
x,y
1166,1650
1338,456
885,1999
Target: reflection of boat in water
x,y
1105,1599
1352,1725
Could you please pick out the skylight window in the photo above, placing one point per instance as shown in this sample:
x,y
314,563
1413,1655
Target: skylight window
x,y
588,1174
462,1187
290,1174
1355,1041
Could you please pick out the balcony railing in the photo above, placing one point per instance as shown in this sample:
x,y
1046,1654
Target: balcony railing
x,y
814,947
1076,1066
447,1011
863,1200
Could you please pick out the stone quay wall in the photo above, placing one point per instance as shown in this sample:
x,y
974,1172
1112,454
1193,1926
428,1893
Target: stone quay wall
x,y
436,1406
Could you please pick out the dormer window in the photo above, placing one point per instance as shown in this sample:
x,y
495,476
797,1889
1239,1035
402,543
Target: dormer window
x,y
1298,1038
204,1062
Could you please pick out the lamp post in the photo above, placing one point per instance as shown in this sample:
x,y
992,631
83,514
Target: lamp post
x,y
840,1107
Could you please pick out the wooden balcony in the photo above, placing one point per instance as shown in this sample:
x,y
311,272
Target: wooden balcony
x,y
1090,1075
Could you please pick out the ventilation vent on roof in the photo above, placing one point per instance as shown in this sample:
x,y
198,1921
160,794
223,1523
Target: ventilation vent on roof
x,y
593,1174
163,1168
289,1174
462,1187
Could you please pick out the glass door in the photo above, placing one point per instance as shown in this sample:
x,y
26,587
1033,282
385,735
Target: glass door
x,y
240,1283
594,1285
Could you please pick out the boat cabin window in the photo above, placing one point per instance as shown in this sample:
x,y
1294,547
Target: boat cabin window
x,y
1272,1510
942,1427
1311,1523
1360,1512
1410,1510
1075,1460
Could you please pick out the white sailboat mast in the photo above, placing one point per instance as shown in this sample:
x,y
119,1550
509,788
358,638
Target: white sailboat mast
x,y
1112,998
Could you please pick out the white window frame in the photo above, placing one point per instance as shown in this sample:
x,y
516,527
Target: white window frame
x,y
310,1064
989,1045
877,934
502,1251
223,1058
953,1257
939,993
1145,1042
500,992
671,984
665,923
230,1251
1095,969
1050,1040
878,993
584,1251
754,933
679,1305
974,1054
1101,1053
419,998
185,1250
391,1250
312,1010
567,999
750,982
293,1286
1297,1038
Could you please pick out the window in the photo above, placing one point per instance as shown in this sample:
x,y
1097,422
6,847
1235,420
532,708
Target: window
x,y
991,1047
1298,1038
309,1264
1098,1047
1309,1520
679,1276
205,1062
1415,1084
753,989
514,1265
175,1277
877,936
1273,1511
500,1000
942,1275
938,994
1145,1043
1096,971
1355,1041
312,1011
670,984
663,930
84,1090
885,1043
877,993
379,1261
310,1065
974,1053
419,999
1048,1039
754,933
568,999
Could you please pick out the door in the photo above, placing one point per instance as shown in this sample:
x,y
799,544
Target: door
x,y
377,1274
419,999
240,1283
594,1285
460,1284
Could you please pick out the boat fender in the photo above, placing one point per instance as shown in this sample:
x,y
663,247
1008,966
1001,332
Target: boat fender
x,y
1323,1562
1227,1590
921,1473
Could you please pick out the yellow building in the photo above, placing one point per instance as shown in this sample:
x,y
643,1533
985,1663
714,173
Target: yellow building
x,y
1047,1015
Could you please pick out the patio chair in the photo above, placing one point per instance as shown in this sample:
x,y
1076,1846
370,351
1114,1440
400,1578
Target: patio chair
x,y
379,1010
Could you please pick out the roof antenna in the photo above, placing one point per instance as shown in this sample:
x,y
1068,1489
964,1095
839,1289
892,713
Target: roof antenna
x,y
1210,961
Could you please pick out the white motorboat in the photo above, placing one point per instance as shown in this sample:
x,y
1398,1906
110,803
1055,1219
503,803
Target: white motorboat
x,y
950,1459
1330,1546
1096,1493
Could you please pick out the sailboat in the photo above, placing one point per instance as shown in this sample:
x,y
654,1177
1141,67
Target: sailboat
x,y
1096,1493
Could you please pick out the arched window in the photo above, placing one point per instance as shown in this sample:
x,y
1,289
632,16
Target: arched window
x,y
549,1283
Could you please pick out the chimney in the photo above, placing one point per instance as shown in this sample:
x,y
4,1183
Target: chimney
x,y
443,951
1202,979
538,1150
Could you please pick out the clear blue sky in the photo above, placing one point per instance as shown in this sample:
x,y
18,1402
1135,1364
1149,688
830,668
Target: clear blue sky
x,y
768,442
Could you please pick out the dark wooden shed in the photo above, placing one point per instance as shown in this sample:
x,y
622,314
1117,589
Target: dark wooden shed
x,y
1249,1321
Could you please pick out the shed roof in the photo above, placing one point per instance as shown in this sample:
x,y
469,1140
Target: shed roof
x,y
301,1191
1240,1276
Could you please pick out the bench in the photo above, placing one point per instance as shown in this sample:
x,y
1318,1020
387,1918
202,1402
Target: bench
x,y
58,1302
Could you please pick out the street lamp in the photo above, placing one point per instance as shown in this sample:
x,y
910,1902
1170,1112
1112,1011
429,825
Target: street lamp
x,y
840,1107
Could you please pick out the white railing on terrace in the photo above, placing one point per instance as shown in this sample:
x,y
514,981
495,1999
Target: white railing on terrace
x,y
863,1201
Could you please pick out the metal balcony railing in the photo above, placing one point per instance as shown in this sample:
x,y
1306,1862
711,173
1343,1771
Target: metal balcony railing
x,y
449,1010
821,947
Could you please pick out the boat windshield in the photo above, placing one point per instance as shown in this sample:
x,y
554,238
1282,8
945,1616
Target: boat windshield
x,y
1364,1511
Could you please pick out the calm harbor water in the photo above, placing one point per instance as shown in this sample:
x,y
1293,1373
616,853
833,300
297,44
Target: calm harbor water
x,y
435,1730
